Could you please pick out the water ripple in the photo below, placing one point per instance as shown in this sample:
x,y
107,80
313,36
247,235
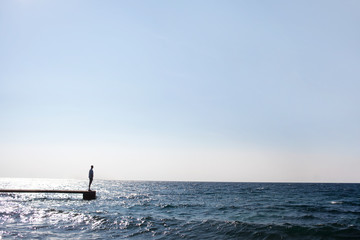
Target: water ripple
x,y
173,210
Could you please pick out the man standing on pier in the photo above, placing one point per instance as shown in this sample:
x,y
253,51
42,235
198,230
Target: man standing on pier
x,y
91,176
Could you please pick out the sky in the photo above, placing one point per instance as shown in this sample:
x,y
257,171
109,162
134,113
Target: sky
x,y
240,91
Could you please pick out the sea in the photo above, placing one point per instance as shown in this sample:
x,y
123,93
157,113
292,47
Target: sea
x,y
180,210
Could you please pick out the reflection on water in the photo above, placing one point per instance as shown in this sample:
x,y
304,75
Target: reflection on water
x,y
173,210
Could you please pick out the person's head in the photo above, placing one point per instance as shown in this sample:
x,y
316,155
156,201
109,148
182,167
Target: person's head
x,y
92,166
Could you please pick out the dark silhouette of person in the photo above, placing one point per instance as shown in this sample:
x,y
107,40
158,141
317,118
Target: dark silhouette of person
x,y
91,176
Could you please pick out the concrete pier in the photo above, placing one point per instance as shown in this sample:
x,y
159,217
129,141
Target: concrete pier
x,y
87,195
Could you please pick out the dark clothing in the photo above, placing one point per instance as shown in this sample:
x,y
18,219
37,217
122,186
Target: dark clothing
x,y
91,177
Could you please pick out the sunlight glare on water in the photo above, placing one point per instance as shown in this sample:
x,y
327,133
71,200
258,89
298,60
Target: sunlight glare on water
x,y
173,210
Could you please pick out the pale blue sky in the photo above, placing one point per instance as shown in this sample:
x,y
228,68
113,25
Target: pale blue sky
x,y
180,90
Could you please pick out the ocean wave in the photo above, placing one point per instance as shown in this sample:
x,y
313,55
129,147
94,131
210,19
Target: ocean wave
x,y
170,228
211,229
169,206
187,211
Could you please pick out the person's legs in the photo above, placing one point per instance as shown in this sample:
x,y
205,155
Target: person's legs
x,y
90,181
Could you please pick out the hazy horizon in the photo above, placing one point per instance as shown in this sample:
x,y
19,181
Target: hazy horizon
x,y
230,91
95,185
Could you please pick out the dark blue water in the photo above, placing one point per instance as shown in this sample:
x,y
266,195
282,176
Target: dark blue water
x,y
181,210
